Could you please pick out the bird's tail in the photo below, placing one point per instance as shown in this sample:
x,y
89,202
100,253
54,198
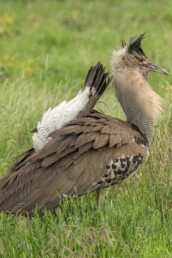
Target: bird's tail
x,y
97,80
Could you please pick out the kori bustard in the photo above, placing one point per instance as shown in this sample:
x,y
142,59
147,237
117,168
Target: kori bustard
x,y
93,150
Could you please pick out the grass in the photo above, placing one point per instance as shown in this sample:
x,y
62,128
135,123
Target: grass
x,y
46,48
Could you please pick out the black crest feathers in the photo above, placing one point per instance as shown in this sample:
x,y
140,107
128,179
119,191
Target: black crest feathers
x,y
134,45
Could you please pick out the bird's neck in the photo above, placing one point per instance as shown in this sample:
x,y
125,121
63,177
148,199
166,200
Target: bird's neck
x,y
140,103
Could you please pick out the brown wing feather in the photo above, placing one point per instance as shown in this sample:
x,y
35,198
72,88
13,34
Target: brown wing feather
x,y
58,170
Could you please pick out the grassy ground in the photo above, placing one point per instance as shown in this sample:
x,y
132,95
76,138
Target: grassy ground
x,y
46,48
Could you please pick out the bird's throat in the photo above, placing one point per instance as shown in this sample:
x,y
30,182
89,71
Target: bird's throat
x,y
140,103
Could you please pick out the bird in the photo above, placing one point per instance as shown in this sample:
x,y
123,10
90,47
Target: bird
x,y
91,152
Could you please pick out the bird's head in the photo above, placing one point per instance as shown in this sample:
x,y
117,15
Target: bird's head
x,y
132,56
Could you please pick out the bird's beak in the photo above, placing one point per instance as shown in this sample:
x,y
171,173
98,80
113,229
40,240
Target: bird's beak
x,y
155,68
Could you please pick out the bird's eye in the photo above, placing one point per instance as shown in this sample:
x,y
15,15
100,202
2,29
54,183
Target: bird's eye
x,y
141,59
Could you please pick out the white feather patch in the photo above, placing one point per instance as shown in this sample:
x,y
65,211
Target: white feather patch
x,y
57,117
